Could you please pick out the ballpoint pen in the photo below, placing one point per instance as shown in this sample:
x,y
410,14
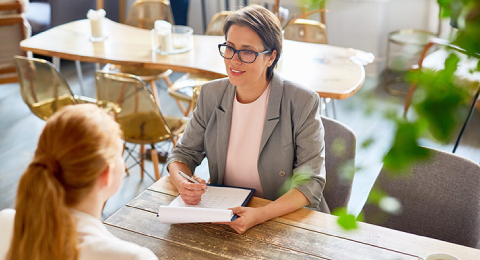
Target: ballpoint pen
x,y
190,178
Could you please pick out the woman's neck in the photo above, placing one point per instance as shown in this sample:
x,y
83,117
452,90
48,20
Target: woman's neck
x,y
248,94
92,204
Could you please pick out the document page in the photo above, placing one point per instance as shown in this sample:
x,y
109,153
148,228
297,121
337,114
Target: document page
x,y
214,206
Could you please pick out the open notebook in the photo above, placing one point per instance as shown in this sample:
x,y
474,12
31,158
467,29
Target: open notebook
x,y
214,206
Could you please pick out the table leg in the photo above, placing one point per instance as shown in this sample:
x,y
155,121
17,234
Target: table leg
x,y
56,62
78,66
99,4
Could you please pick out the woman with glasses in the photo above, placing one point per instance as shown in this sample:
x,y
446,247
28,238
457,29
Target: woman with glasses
x,y
256,129
77,166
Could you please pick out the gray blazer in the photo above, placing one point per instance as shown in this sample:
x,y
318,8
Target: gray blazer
x,y
292,137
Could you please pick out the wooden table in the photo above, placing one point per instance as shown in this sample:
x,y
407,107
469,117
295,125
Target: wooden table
x,y
327,69
303,234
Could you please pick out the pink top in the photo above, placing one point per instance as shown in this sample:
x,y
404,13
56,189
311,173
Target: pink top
x,y
244,143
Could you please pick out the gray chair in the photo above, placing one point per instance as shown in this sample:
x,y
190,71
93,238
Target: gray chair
x,y
340,145
440,199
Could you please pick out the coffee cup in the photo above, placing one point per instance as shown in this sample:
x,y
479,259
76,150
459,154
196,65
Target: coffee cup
x,y
441,256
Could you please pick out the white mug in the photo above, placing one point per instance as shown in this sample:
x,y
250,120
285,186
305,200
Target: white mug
x,y
441,256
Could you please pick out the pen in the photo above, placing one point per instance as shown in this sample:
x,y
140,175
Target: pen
x,y
190,178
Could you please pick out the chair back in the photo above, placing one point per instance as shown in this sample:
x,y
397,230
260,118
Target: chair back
x,y
137,112
13,29
144,13
215,27
42,86
340,145
306,31
440,199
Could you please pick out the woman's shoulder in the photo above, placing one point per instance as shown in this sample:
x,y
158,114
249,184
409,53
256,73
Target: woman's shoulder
x,y
7,214
7,219
298,92
213,92
216,85
102,248
293,90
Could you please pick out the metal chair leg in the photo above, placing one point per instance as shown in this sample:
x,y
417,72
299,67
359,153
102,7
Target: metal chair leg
x,y
470,113
137,161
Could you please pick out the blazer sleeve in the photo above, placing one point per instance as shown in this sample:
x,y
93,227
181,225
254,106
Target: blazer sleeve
x,y
310,149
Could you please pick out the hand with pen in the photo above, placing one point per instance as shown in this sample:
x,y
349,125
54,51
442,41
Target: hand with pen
x,y
190,191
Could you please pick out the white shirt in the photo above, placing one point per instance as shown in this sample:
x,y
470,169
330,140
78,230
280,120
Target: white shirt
x,y
96,242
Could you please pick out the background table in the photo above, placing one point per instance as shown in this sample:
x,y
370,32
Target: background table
x,y
333,72
303,234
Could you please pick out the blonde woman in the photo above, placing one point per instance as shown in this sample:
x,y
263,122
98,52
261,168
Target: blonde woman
x,y
77,166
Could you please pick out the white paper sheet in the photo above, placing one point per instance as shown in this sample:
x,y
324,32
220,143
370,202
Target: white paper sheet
x,y
213,207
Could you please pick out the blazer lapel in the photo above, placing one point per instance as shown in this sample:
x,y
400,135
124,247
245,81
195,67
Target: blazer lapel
x,y
224,120
273,109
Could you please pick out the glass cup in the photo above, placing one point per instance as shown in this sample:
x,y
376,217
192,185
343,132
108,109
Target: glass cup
x,y
161,37
182,38
96,23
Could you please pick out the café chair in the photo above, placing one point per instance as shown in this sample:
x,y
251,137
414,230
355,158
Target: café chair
x,y
183,90
186,90
147,75
305,30
43,87
440,199
311,31
136,111
215,27
13,29
403,49
143,14
436,61
340,145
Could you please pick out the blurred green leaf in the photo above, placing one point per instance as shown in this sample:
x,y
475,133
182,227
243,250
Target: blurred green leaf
x,y
347,171
367,143
376,194
299,177
345,220
405,148
338,147
441,101
361,216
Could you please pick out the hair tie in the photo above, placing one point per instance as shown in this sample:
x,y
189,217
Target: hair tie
x,y
49,163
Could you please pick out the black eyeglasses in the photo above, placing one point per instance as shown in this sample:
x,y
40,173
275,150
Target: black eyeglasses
x,y
247,56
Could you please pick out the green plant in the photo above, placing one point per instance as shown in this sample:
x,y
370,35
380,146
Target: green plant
x,y
440,99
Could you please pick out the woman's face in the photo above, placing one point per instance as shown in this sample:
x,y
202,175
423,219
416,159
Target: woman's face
x,y
247,74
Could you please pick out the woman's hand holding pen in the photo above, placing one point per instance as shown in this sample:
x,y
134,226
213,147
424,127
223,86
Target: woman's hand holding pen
x,y
190,192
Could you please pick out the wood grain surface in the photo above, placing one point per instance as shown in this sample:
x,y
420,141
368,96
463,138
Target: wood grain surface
x,y
303,234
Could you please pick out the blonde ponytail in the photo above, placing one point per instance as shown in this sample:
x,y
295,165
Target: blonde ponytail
x,y
76,145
